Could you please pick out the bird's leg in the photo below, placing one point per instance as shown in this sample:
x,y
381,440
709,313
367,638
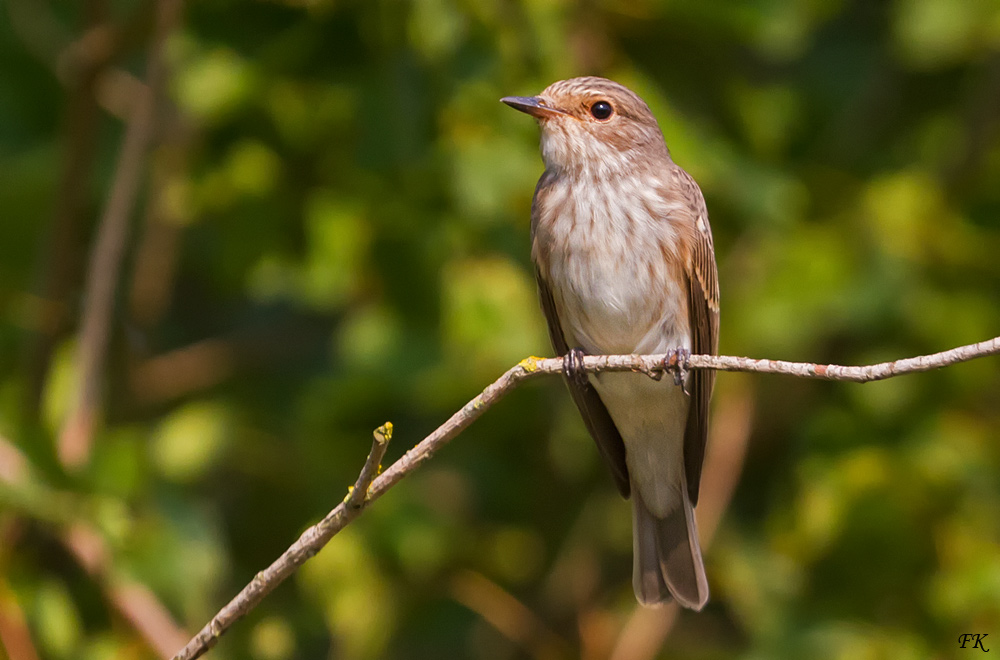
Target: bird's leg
x,y
573,367
676,362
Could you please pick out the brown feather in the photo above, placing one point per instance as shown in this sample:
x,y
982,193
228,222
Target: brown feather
x,y
703,310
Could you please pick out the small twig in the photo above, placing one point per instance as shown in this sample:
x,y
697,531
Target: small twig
x,y
318,535
357,495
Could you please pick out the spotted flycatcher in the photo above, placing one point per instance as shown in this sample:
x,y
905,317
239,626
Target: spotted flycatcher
x,y
625,264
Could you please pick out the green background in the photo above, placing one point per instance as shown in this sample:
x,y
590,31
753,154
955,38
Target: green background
x,y
333,232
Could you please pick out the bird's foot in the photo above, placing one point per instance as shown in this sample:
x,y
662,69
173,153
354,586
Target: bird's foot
x,y
573,367
676,362
656,372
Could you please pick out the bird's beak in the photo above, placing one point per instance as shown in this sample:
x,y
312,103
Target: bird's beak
x,y
534,106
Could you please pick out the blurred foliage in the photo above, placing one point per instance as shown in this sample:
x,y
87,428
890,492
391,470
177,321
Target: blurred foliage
x,y
335,233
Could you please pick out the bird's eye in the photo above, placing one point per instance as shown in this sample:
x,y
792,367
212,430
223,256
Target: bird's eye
x,y
601,110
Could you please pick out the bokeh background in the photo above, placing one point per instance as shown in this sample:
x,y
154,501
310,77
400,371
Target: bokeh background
x,y
329,229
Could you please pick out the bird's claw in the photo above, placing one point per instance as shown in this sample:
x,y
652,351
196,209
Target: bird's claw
x,y
573,367
676,362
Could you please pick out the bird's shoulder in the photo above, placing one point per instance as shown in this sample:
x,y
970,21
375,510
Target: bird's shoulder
x,y
695,231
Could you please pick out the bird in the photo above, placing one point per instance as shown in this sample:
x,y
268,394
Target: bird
x,y
625,263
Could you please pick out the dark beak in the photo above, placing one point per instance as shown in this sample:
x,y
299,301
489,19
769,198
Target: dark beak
x,y
533,105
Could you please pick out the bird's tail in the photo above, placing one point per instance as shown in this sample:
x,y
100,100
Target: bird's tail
x,y
666,556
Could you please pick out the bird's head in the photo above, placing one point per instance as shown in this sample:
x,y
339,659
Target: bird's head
x,y
595,126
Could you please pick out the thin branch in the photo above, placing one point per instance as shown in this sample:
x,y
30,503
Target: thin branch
x,y
864,374
314,538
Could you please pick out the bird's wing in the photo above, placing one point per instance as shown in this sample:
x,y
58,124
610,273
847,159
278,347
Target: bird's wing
x,y
595,416
703,311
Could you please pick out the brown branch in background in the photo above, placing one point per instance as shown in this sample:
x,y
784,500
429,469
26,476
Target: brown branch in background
x,y
191,368
43,35
508,615
158,249
15,638
106,258
134,601
314,538
159,245
201,365
62,254
84,65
